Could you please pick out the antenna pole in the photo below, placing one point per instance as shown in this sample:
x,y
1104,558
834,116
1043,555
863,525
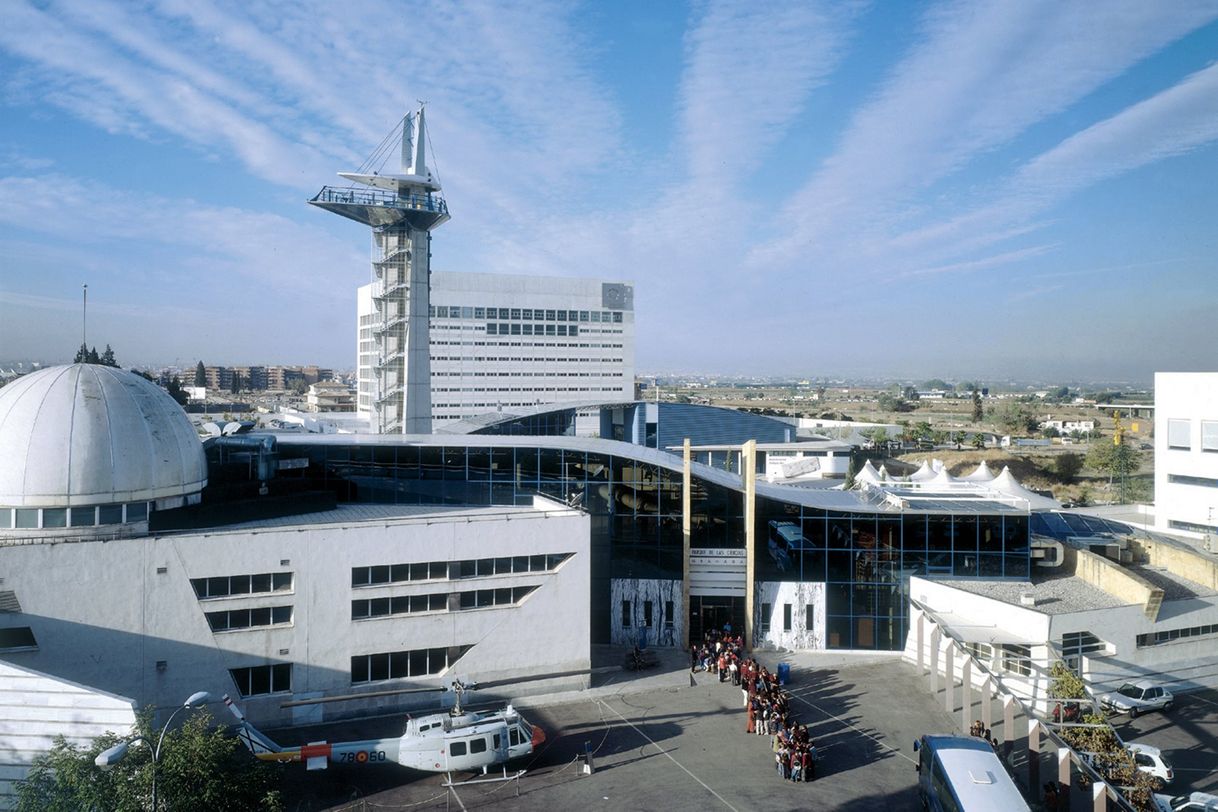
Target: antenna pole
x,y
84,314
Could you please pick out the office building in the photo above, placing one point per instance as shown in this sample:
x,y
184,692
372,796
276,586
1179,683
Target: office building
x,y
500,343
1186,454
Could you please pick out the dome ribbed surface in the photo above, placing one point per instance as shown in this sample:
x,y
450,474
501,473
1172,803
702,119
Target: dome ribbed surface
x,y
88,434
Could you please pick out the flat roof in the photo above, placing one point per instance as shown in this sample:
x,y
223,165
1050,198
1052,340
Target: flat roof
x,y
351,514
1057,594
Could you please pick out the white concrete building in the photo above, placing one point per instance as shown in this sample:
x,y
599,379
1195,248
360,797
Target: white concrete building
x,y
1186,453
502,342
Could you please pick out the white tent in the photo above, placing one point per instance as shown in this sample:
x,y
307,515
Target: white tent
x,y
943,477
982,474
868,474
923,474
884,475
1007,484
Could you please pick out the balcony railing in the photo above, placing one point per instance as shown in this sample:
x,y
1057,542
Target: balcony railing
x,y
361,197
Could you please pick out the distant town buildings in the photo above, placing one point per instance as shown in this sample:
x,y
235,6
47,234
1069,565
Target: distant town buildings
x,y
259,378
330,396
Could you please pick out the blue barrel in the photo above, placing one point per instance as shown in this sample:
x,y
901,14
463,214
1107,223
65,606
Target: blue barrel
x,y
784,673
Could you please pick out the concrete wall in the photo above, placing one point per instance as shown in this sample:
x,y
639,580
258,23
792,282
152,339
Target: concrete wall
x,y
35,708
1108,575
638,591
800,595
132,605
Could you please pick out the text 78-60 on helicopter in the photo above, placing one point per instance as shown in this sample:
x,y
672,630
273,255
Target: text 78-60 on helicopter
x,y
458,740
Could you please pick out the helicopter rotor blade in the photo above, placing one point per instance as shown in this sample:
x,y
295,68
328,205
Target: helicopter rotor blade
x,y
320,700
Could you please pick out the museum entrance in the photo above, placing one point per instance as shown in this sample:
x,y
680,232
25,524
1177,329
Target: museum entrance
x,y
707,612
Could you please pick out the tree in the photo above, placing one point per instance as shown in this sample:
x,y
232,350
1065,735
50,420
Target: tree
x,y
1013,417
85,355
236,385
1114,460
1068,466
978,412
199,769
107,358
200,375
937,383
909,393
176,391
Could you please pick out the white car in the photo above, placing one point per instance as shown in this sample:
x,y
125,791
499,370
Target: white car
x,y
1137,697
1196,802
1150,761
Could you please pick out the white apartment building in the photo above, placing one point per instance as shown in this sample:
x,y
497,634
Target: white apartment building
x,y
1186,453
503,342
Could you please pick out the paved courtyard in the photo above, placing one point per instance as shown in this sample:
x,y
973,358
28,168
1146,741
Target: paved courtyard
x,y
661,743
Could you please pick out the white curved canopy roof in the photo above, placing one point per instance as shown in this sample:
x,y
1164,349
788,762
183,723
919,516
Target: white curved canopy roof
x,y
87,434
926,472
867,473
982,474
1006,483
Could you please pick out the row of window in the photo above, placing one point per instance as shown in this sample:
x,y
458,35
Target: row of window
x,y
400,664
1184,479
514,329
466,373
452,570
1171,635
533,346
525,314
1192,527
1014,659
263,679
88,516
1180,434
364,608
227,585
234,619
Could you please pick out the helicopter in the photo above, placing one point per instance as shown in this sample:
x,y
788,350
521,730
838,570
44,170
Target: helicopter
x,y
458,740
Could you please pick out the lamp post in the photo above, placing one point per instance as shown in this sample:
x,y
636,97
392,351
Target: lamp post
x,y
107,758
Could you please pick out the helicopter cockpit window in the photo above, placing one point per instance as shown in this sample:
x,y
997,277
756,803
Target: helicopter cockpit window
x,y
477,746
456,749
498,741
513,737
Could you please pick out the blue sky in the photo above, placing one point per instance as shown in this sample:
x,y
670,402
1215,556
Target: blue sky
x,y
961,189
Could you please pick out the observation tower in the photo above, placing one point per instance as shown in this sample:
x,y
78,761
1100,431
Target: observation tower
x,y
401,209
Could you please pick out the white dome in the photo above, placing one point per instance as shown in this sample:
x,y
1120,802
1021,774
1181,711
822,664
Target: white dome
x,y
87,434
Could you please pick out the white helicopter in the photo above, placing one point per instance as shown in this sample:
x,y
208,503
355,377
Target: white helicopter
x,y
458,740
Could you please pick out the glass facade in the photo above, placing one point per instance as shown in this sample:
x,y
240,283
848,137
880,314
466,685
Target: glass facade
x,y
865,559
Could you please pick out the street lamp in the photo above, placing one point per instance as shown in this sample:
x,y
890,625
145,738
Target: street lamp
x,y
107,758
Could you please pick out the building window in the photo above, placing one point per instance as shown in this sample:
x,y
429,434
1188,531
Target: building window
x,y
1191,527
1172,635
399,605
982,652
238,619
465,568
786,617
1017,659
1076,644
229,585
1178,434
625,614
647,614
766,610
18,638
27,518
1182,479
401,664
809,617
1209,435
668,615
263,679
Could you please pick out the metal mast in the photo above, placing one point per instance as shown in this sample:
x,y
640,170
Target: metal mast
x,y
401,209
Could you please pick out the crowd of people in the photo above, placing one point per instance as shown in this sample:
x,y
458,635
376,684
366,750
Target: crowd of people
x,y
766,704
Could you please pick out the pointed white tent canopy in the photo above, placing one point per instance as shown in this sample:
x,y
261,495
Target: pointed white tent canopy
x,y
867,474
923,474
943,477
1007,484
884,475
936,465
982,474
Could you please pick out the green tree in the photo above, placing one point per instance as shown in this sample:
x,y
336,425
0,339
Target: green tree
x,y
200,375
978,412
937,383
107,358
1013,417
199,769
1068,466
176,391
1113,460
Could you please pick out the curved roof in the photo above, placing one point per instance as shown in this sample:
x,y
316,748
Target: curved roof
x,y
1006,483
981,474
87,434
924,473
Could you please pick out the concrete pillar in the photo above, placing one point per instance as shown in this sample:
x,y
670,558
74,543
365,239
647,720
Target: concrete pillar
x,y
934,659
748,472
1063,766
1099,797
1008,719
921,641
949,677
966,693
685,533
987,704
1034,754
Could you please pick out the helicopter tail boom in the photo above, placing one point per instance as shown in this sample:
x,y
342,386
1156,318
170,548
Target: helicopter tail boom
x,y
257,742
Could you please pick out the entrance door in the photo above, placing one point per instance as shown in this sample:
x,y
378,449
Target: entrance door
x,y
713,612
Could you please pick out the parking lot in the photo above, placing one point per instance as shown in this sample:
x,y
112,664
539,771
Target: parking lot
x,y
659,741
1188,736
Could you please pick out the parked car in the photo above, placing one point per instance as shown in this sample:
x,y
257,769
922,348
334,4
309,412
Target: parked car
x,y
1196,802
1150,761
1137,697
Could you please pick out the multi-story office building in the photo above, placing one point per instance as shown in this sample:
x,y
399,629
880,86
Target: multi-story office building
x,y
501,342
1186,453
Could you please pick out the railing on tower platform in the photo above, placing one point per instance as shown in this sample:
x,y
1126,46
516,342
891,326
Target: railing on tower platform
x,y
361,197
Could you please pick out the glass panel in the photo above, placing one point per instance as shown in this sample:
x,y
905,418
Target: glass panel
x,y
1178,432
54,517
110,514
81,517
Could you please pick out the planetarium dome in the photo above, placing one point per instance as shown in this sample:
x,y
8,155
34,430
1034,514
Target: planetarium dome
x,y
88,445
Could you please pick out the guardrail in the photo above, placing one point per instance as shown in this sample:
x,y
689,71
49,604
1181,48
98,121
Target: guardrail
x,y
362,197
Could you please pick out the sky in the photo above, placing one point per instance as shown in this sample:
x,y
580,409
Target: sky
x,y
971,190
